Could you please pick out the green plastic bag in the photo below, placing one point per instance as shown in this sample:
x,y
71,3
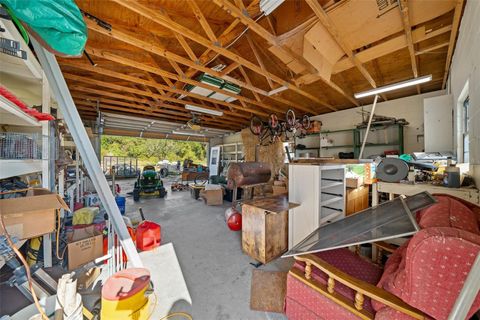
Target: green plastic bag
x,y
57,24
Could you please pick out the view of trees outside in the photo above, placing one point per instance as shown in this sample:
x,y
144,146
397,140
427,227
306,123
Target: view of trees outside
x,y
151,151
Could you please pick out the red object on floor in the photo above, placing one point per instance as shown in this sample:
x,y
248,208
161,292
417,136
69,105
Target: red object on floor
x,y
124,255
148,235
234,221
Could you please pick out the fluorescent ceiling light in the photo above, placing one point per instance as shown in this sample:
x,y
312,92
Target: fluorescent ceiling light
x,y
277,90
267,6
203,110
393,86
188,133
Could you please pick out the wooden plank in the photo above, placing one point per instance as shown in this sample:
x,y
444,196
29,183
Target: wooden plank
x,y
235,12
408,33
203,22
121,88
122,76
330,26
186,47
432,48
453,36
230,68
135,64
160,18
259,59
247,79
388,47
177,68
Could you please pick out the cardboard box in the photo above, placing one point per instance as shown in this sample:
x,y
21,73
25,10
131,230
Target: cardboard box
x,y
279,190
85,245
356,199
354,182
212,197
31,216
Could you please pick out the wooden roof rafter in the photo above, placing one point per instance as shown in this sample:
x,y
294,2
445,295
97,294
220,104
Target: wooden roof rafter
x,y
162,19
453,36
258,58
330,26
203,22
271,39
403,4
150,83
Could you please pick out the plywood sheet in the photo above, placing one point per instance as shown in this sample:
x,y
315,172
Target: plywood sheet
x,y
321,50
268,290
359,23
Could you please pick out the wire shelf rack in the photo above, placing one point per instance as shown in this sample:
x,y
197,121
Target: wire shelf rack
x,y
23,146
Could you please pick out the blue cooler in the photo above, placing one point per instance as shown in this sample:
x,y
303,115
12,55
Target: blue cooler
x,y
121,200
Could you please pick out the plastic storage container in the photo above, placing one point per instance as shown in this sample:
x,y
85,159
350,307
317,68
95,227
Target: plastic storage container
x,y
148,235
121,200
123,295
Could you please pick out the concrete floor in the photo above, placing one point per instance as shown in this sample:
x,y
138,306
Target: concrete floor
x,y
216,271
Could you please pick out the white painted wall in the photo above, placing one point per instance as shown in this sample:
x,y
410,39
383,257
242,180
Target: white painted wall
x,y
465,69
438,123
409,108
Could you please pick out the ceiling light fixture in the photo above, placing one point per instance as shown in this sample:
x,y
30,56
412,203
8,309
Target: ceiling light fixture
x,y
268,6
188,133
393,86
204,110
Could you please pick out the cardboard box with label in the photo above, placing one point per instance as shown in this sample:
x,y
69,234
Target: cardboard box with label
x,y
84,245
354,182
31,216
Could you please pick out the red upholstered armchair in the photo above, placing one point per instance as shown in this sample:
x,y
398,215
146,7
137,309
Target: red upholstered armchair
x,y
421,279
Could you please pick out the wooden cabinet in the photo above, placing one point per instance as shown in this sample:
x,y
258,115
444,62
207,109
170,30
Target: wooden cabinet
x,y
265,227
320,192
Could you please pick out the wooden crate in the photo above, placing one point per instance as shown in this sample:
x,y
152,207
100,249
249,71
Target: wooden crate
x,y
265,232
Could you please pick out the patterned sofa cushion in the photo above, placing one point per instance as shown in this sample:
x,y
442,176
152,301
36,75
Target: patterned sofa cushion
x,y
350,263
448,212
428,271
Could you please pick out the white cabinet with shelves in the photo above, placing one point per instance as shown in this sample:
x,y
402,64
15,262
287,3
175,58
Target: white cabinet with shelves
x,y
320,191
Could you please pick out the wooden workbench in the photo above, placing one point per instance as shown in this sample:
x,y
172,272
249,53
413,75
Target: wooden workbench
x,y
468,194
265,227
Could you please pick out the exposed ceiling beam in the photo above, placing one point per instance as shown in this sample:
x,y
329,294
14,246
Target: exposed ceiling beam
x,y
230,68
161,18
389,46
109,85
228,35
203,22
408,33
453,36
186,46
259,59
432,48
272,40
247,78
332,30
135,64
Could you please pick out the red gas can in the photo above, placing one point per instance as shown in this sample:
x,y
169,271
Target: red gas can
x,y
148,235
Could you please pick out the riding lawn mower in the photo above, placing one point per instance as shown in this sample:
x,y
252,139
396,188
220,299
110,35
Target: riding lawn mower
x,y
148,183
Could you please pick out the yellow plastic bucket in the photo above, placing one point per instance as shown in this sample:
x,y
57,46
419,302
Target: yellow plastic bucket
x,y
123,295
